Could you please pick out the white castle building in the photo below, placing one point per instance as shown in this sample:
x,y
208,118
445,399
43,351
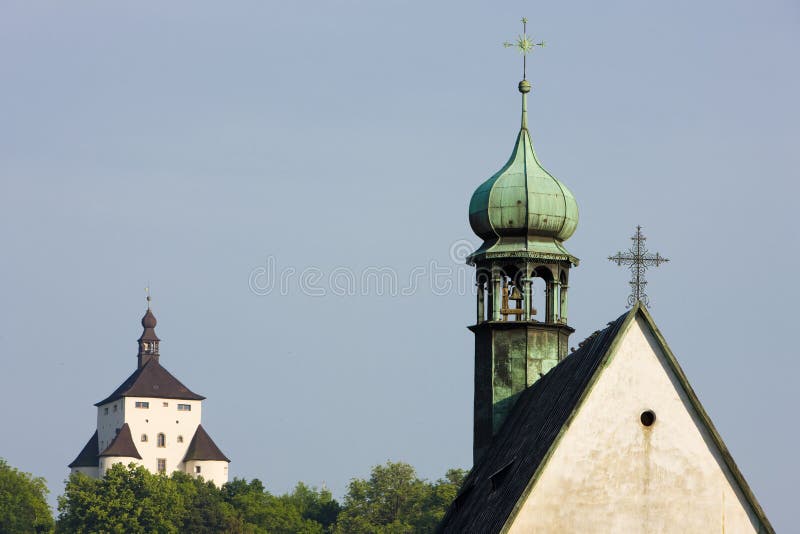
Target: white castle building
x,y
152,420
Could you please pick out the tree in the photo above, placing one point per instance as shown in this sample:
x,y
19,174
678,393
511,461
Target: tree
x,y
132,500
395,501
206,510
23,502
315,505
262,512
126,500
440,495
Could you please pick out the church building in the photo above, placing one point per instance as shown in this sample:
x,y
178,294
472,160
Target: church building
x,y
152,420
606,438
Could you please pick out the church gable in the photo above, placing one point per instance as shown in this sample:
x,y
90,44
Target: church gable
x,y
639,454
495,483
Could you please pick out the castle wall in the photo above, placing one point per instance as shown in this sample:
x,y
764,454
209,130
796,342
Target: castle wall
x,y
178,427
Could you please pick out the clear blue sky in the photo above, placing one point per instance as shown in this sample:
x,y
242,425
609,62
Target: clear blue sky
x,y
185,143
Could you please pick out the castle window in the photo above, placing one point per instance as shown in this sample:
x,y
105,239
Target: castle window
x,y
115,407
184,407
144,438
164,404
142,404
105,410
161,440
162,465
180,439
197,469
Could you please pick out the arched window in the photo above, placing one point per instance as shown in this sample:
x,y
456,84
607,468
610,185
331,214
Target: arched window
x,y
161,440
144,438
180,439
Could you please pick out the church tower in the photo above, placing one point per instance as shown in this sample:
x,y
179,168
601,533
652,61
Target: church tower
x,y
524,215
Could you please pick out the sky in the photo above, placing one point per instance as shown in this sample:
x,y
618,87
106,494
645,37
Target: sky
x,y
270,168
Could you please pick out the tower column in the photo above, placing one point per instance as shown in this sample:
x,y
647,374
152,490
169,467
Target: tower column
x,y
556,301
548,299
497,294
526,297
480,301
564,288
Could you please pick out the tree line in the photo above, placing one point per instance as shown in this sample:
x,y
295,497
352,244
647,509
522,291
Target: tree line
x,y
132,500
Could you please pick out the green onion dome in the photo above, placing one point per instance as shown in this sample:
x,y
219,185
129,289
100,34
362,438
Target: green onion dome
x,y
523,210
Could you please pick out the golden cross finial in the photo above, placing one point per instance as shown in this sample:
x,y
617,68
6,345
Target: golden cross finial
x,y
524,45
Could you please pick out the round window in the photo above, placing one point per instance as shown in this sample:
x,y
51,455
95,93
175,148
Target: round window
x,y
648,418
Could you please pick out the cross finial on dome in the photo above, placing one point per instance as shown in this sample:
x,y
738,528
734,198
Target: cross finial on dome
x,y
524,44
147,293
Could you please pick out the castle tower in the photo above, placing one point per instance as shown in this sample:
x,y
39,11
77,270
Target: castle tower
x,y
148,341
152,420
524,215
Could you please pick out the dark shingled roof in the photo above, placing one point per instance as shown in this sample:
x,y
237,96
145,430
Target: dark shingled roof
x,y
122,445
497,483
88,455
493,487
203,447
152,380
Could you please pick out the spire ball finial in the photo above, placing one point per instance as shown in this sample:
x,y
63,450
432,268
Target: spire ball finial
x,y
147,295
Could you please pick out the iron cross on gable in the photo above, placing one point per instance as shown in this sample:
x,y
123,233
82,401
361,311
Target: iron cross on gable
x,y
638,259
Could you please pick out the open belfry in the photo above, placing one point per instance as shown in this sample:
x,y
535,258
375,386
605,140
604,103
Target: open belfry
x,y
606,438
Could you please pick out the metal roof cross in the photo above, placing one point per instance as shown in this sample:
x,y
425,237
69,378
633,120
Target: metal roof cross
x,y
524,45
638,259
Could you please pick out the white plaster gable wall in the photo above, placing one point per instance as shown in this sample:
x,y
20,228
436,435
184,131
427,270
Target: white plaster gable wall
x,y
168,420
214,470
610,473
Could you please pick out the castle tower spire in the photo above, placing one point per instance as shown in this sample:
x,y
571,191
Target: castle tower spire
x,y
524,215
148,341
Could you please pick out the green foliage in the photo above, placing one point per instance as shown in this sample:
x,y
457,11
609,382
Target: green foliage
x,y
263,512
23,502
127,500
395,501
133,500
